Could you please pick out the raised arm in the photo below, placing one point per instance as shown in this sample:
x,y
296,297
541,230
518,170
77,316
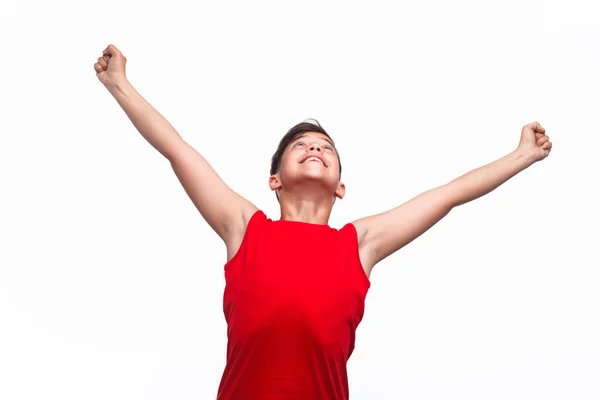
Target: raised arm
x,y
382,234
222,208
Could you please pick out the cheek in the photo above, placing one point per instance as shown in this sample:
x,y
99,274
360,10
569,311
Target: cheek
x,y
287,165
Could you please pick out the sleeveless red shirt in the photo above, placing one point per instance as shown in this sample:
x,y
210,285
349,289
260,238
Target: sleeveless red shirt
x,y
294,296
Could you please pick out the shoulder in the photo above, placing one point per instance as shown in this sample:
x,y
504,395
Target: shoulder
x,y
249,213
365,251
249,216
360,227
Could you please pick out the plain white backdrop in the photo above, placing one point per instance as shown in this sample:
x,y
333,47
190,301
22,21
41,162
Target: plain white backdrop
x,y
111,283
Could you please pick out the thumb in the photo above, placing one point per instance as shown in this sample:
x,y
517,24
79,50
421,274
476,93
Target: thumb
x,y
112,51
536,127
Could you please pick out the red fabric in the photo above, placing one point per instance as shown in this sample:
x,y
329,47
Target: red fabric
x,y
294,296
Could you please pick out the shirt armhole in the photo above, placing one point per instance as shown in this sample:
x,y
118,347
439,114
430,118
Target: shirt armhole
x,y
249,229
355,253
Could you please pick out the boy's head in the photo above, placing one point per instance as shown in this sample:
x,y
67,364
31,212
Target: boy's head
x,y
291,167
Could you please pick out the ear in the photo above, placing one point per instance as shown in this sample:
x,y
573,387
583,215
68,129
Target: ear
x,y
274,182
340,192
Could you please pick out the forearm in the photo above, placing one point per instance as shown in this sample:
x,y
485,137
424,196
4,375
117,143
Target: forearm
x,y
147,120
483,180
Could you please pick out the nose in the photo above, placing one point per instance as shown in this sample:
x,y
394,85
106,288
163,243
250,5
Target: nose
x,y
313,147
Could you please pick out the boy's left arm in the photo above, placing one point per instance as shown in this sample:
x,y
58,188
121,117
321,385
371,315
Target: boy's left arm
x,y
381,235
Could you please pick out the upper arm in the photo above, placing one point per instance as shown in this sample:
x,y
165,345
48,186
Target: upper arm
x,y
382,234
224,210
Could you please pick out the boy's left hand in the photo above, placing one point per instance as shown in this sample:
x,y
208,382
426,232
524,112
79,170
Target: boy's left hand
x,y
534,142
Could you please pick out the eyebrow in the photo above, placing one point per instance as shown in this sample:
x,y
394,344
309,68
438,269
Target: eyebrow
x,y
305,135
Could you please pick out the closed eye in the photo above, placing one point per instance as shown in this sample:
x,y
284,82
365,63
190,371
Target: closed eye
x,y
326,146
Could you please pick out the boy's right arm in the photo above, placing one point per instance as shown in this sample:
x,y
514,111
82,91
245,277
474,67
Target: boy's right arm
x,y
223,209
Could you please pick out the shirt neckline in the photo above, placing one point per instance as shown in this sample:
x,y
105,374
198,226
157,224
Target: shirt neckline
x,y
302,223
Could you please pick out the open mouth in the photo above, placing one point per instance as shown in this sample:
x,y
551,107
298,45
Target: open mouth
x,y
313,159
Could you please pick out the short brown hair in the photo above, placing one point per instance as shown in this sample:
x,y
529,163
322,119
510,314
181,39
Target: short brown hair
x,y
289,137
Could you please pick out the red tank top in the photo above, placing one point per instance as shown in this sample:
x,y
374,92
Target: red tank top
x,y
294,296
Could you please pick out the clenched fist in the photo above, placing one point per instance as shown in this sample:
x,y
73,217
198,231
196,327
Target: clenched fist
x,y
535,142
110,68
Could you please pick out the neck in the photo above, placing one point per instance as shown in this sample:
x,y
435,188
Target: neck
x,y
311,209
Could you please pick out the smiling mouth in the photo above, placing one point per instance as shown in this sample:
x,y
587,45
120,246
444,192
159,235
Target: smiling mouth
x,y
313,159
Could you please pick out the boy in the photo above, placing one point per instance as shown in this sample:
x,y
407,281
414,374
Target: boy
x,y
295,287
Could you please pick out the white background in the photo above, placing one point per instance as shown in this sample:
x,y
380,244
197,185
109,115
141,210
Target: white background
x,y
111,283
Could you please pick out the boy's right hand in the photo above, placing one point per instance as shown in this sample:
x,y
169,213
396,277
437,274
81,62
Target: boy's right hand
x,y
110,68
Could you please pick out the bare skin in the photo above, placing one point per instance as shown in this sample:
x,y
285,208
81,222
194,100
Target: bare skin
x,y
307,189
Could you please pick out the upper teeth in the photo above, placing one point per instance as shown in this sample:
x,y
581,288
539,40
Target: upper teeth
x,y
313,159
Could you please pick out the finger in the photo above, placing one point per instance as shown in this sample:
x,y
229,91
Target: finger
x,y
546,146
102,62
542,140
106,57
98,68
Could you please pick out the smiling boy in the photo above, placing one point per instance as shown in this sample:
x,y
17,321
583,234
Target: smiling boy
x,y
295,287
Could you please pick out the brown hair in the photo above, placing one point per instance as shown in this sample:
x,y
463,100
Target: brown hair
x,y
289,137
